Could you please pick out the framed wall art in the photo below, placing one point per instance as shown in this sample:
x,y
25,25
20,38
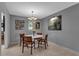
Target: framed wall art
x,y
55,23
19,24
37,25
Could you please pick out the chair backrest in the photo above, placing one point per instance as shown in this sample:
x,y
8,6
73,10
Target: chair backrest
x,y
46,36
27,39
39,33
21,35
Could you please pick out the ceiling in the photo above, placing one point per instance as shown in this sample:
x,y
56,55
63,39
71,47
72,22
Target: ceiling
x,y
41,9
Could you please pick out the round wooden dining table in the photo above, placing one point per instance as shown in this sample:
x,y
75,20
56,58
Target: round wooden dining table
x,y
35,36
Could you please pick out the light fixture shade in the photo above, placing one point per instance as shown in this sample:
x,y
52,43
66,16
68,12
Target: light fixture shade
x,y
29,18
32,18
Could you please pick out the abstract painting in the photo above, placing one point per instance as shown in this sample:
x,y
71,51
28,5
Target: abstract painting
x,y
19,24
37,25
55,23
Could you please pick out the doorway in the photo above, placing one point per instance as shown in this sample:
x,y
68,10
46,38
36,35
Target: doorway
x,y
2,30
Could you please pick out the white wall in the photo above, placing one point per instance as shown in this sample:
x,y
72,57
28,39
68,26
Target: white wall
x,y
7,29
7,23
15,33
1,9
0,29
69,35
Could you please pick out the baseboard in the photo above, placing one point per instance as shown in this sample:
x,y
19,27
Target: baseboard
x,y
14,43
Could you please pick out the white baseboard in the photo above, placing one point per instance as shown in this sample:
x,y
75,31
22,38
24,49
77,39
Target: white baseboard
x,y
14,43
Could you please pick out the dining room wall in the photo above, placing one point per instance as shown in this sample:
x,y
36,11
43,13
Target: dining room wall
x,y
15,38
0,26
7,29
7,24
69,35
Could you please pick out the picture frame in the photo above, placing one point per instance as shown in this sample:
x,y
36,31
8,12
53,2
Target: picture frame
x,y
19,24
55,23
37,25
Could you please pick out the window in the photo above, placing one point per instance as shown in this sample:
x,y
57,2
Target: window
x,y
30,25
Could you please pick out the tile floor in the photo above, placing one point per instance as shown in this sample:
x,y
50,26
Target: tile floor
x,y
52,50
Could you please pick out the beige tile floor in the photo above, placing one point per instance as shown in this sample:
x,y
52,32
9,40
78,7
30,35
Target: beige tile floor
x,y
52,50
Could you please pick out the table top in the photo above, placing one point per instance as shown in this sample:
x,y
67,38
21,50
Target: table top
x,y
35,36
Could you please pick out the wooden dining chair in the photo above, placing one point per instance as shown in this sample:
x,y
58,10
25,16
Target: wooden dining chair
x,y
43,40
21,37
37,39
27,42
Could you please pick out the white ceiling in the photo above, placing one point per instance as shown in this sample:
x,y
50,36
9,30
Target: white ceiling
x,y
41,9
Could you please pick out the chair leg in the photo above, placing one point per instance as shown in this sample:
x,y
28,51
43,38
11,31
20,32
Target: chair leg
x,y
45,45
34,45
38,44
23,48
31,49
20,41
